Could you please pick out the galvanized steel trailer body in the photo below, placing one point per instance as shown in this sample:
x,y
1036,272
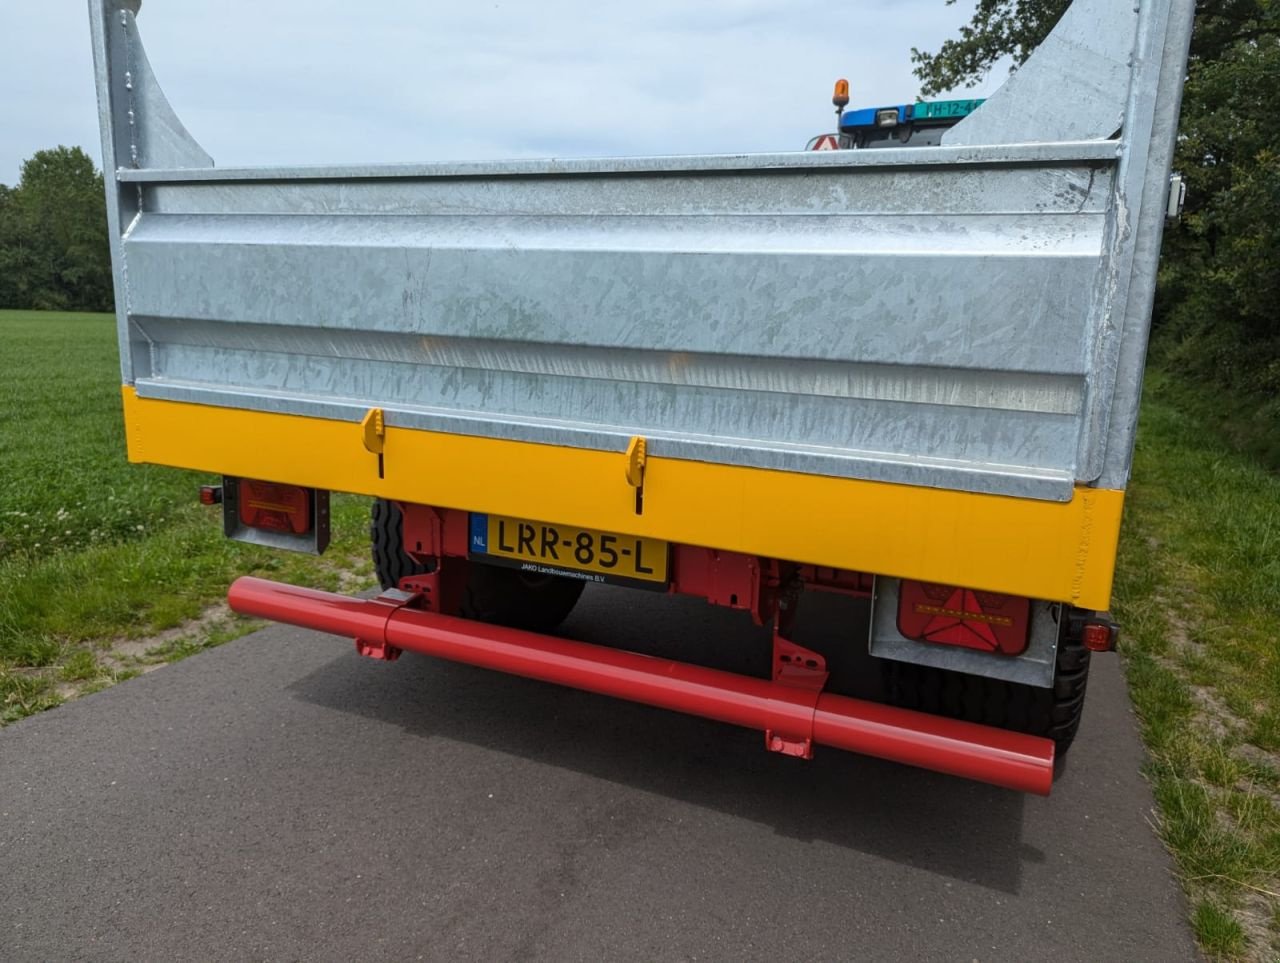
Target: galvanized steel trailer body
x,y
954,334
971,316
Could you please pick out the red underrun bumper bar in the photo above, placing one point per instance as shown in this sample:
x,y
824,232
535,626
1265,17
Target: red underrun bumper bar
x,y
1012,760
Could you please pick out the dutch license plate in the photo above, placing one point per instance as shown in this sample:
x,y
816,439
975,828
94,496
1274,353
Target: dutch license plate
x,y
581,553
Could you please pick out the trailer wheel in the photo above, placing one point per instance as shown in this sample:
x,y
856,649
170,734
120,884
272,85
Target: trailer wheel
x,y
386,537
502,596
1053,713
507,596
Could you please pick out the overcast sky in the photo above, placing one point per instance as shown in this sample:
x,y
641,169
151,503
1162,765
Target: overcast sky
x,y
323,81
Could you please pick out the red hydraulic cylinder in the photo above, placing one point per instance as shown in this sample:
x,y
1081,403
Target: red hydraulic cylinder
x,y
1009,759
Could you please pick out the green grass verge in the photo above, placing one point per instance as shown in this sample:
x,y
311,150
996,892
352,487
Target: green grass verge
x,y
92,548
1198,592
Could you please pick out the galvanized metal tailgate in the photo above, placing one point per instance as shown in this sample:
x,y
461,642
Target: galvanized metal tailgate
x,y
969,317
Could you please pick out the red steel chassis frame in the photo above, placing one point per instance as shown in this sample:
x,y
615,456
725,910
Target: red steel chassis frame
x,y
791,708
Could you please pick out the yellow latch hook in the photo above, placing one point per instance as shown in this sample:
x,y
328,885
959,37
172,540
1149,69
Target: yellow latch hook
x,y
373,431
636,455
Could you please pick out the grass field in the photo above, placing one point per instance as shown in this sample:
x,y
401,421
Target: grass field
x,y
94,550
1198,594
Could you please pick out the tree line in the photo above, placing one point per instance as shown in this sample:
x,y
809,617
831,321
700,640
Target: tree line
x,y
54,253
1217,314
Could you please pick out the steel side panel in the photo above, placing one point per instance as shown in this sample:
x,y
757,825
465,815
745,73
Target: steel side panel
x,y
795,294
915,323
679,328
1058,551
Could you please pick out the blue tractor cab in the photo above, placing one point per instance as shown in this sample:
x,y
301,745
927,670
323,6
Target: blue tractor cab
x,y
920,124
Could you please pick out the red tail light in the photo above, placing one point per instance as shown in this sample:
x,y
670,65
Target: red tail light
x,y
276,508
948,615
1099,636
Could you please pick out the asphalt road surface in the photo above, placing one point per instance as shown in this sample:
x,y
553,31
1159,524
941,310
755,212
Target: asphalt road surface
x,y
281,798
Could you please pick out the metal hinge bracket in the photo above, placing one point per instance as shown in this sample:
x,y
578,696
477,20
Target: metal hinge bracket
x,y
1177,197
799,669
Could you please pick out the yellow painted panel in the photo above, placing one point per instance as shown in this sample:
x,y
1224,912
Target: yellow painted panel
x,y
1062,551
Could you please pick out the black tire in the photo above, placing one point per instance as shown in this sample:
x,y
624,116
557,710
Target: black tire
x,y
386,537
1053,713
501,596
508,596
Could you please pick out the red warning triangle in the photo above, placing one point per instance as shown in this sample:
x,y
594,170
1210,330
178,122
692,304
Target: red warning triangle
x,y
952,626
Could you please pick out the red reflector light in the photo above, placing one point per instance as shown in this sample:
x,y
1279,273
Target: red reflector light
x,y
277,508
210,494
947,615
1098,637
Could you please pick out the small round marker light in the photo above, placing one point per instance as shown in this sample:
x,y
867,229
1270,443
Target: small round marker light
x,y
1099,636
